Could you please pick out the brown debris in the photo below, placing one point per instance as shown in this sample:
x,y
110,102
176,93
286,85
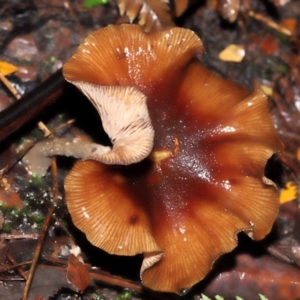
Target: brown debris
x,y
151,14
77,273
285,108
10,199
257,275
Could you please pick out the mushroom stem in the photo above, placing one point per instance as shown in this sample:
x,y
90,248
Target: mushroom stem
x,y
38,158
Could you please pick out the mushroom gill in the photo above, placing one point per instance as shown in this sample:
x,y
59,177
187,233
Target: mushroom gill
x,y
125,119
183,206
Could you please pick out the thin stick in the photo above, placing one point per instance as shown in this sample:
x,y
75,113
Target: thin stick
x,y
9,86
37,253
20,112
60,224
289,163
67,123
68,6
55,179
44,128
20,154
270,23
9,268
18,236
19,269
127,284
111,280
43,232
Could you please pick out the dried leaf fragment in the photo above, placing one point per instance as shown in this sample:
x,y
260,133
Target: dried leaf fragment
x,y
251,276
290,24
77,274
289,193
150,14
7,68
10,199
233,53
267,90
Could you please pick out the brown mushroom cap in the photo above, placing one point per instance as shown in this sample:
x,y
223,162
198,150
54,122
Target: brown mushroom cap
x,y
202,184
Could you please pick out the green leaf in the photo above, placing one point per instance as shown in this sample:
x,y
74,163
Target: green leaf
x,y
219,297
239,298
262,297
92,3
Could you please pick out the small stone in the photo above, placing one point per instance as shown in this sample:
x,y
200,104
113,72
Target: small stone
x,y
22,47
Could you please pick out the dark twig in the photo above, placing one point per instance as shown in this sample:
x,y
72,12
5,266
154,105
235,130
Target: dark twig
x,y
16,266
19,269
29,106
43,232
289,163
18,236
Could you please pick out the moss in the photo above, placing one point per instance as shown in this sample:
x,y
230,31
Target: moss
x,y
125,295
6,228
36,199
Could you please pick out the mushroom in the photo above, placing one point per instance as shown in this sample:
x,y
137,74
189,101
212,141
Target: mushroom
x,y
182,206
125,119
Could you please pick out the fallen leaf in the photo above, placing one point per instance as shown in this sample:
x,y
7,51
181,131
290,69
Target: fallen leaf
x,y
288,193
233,53
269,45
11,199
267,90
77,274
251,276
7,68
289,24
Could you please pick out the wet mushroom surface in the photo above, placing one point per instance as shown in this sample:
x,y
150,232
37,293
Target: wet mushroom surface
x,y
202,183
37,37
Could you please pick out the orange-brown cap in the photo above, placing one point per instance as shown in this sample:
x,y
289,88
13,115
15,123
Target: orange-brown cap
x,y
202,184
